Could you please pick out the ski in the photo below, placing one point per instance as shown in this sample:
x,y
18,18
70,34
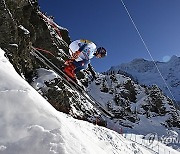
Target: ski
x,y
70,82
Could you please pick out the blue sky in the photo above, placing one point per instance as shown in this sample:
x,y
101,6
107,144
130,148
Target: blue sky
x,y
107,24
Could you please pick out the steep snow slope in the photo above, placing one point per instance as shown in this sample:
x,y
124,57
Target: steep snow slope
x,y
146,73
29,124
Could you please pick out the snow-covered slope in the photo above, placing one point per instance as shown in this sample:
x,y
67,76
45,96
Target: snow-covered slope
x,y
146,73
138,109
29,124
133,104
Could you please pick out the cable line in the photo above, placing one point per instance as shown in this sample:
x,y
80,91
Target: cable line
x,y
149,52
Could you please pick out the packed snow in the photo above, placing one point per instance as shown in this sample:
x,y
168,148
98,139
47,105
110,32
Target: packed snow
x,y
30,125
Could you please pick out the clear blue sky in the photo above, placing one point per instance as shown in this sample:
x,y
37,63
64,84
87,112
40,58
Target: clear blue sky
x,y
106,23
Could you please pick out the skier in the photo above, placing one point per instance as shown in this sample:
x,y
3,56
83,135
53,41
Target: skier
x,y
81,52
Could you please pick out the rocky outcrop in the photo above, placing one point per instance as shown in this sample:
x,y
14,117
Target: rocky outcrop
x,y
22,25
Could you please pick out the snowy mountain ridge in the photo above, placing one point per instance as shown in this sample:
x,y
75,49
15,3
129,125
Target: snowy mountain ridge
x,y
132,103
145,72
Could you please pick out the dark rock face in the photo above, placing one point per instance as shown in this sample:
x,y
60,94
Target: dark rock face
x,y
7,25
22,25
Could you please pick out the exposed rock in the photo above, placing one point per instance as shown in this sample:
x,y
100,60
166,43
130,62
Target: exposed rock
x,y
22,25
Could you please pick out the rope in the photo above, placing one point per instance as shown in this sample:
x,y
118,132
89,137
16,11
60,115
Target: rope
x,y
46,51
148,51
54,25
51,23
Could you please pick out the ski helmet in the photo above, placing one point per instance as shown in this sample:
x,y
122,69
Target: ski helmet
x,y
102,51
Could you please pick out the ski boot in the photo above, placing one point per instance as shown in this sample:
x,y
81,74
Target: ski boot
x,y
69,70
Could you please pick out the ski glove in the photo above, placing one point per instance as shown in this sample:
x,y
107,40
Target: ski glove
x,y
73,57
68,62
76,54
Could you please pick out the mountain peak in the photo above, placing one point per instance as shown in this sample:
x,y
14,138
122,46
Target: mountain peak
x,y
138,60
146,73
174,58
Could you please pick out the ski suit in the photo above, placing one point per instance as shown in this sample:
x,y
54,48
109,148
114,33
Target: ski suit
x,y
86,48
